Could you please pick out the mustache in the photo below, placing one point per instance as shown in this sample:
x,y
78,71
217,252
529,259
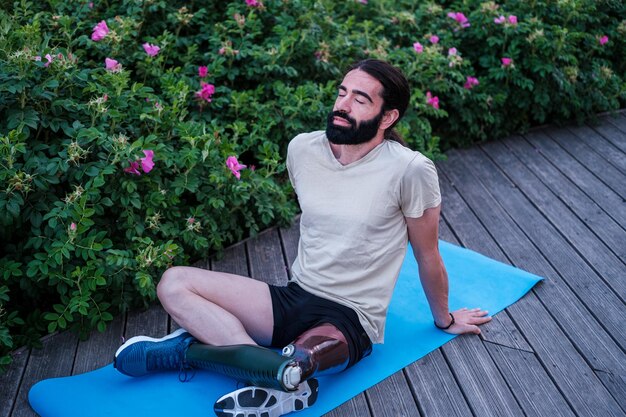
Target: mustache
x,y
343,116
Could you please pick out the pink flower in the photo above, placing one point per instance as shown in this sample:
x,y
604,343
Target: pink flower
x,y
363,1
206,92
499,20
470,82
234,166
506,62
73,226
460,18
452,51
146,164
203,71
133,168
150,49
603,40
91,4
222,51
191,220
99,31
418,47
434,39
49,58
112,65
253,3
38,58
513,20
432,101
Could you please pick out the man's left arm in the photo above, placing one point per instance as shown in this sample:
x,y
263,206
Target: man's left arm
x,y
424,236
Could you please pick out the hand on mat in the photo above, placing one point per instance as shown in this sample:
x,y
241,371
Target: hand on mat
x,y
467,320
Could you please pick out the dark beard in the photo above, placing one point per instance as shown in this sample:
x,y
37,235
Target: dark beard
x,y
352,135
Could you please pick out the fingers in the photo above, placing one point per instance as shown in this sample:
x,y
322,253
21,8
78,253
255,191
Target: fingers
x,y
468,320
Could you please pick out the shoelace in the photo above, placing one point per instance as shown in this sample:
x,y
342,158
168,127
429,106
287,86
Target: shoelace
x,y
183,372
184,368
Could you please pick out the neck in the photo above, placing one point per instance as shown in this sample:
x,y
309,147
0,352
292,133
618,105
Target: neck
x,y
347,154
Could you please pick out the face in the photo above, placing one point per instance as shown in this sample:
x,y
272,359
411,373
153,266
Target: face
x,y
357,114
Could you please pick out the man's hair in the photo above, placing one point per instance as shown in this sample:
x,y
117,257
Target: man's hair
x,y
396,90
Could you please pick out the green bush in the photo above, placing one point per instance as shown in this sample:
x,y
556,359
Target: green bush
x,y
114,153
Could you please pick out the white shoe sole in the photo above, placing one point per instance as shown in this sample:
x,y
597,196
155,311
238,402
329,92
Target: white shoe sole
x,y
137,339
266,402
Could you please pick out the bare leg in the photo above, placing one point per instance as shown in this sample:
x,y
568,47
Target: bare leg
x,y
218,308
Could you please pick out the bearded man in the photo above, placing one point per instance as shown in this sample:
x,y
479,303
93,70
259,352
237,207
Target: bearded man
x,y
364,195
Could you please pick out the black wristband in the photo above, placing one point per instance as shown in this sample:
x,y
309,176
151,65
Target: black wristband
x,y
448,326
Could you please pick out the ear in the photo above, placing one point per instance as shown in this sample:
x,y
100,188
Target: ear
x,y
389,118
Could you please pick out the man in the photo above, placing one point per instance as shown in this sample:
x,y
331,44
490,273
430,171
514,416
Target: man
x,y
363,195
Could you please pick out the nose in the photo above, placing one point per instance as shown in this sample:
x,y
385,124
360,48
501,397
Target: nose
x,y
342,104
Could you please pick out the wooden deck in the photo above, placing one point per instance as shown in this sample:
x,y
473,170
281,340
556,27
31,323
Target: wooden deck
x,y
552,202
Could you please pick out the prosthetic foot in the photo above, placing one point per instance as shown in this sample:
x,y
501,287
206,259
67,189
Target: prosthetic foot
x,y
266,402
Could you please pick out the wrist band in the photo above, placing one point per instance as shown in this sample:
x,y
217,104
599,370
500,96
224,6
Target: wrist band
x,y
446,327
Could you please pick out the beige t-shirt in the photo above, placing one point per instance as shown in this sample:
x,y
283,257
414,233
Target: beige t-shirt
x,y
353,235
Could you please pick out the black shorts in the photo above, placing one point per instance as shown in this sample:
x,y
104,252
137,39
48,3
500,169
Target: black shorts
x,y
296,311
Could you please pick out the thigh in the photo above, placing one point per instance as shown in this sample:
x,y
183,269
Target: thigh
x,y
245,298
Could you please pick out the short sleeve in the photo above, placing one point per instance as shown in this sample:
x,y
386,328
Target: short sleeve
x,y
291,166
419,187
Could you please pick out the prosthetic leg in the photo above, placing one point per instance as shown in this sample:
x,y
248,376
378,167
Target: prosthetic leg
x,y
279,383
322,350
319,351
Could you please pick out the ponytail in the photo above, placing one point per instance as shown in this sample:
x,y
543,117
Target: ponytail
x,y
392,134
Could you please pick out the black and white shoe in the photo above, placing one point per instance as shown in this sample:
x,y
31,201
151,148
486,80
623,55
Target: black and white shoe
x,y
266,402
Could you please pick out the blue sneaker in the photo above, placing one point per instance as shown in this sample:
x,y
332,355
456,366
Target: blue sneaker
x,y
266,402
142,355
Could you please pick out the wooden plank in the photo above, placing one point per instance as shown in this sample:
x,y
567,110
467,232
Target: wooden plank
x,y
99,349
619,121
526,377
436,390
582,388
459,214
478,376
594,162
560,358
601,223
593,341
356,406
597,138
597,254
233,261
10,381
152,322
290,238
587,285
606,198
392,398
266,258
467,226
616,384
54,359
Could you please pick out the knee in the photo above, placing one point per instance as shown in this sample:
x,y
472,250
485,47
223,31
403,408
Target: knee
x,y
171,285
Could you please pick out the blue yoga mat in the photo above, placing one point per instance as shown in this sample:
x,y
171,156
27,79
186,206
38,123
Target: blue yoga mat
x,y
475,280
